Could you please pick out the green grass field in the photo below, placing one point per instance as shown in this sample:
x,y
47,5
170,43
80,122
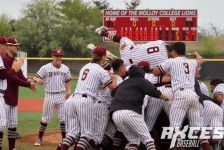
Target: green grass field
x,y
26,93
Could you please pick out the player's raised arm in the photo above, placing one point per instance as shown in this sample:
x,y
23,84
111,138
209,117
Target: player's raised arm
x,y
109,55
198,58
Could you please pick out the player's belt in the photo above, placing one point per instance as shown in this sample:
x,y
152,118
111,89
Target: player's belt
x,y
181,89
84,95
168,86
2,91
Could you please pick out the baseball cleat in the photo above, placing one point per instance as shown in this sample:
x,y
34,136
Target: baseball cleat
x,y
101,30
38,142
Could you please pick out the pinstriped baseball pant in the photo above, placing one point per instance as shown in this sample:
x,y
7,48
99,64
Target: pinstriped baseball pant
x,y
11,114
110,129
155,106
185,102
53,102
212,114
81,116
101,120
68,121
3,119
132,125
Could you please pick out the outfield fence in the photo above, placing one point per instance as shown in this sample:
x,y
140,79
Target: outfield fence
x,y
211,68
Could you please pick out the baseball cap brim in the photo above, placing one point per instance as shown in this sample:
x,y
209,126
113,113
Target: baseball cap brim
x,y
11,44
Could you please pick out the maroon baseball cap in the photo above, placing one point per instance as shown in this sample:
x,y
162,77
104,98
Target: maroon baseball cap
x,y
57,52
144,64
99,51
13,41
3,40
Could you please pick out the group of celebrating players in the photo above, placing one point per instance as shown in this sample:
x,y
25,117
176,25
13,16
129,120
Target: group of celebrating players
x,y
120,103
117,101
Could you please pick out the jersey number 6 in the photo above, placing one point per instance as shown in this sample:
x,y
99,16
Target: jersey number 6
x,y
85,73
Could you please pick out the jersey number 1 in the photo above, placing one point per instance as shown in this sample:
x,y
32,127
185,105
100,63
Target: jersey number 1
x,y
85,73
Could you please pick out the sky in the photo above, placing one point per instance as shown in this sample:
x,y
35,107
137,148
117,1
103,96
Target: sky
x,y
209,11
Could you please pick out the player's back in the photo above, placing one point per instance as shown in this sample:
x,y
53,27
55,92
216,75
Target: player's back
x,y
154,52
182,73
91,76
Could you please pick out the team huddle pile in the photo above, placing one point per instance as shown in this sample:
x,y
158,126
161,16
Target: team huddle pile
x,y
119,100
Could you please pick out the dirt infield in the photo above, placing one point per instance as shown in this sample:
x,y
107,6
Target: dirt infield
x,y
35,105
49,139
30,105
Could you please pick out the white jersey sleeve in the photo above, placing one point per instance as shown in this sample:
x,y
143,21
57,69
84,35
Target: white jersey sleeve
x,y
42,72
204,88
105,78
68,75
196,65
165,66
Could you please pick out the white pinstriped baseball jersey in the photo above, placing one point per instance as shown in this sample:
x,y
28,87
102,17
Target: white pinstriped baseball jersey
x,y
204,88
91,76
182,72
3,83
125,50
104,95
154,52
54,78
219,89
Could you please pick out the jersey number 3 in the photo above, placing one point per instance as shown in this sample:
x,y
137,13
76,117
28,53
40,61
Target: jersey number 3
x,y
186,68
85,73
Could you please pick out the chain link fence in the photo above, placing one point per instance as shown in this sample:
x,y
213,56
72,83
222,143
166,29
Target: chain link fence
x,y
211,68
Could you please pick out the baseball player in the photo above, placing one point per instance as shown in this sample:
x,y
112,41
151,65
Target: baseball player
x,y
217,87
92,77
12,90
154,52
9,74
103,102
3,85
153,105
126,108
56,78
211,113
101,106
182,73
